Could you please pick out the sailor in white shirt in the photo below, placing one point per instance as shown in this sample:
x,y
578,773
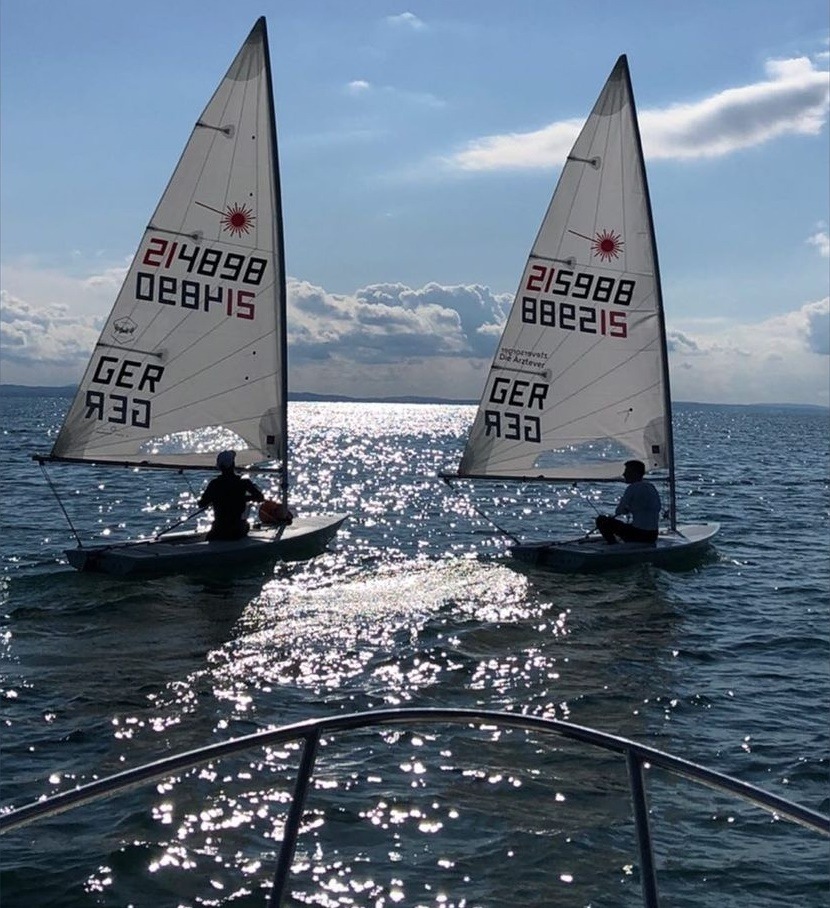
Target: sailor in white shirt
x,y
641,502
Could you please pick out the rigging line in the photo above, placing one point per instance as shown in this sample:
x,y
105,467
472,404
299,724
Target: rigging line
x,y
604,375
217,327
189,484
486,516
244,417
179,523
155,353
517,370
615,403
197,236
60,505
583,497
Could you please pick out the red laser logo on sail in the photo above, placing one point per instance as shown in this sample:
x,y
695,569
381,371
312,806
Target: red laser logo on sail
x,y
236,219
607,245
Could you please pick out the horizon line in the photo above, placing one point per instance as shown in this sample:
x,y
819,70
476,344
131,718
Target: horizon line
x,y
9,389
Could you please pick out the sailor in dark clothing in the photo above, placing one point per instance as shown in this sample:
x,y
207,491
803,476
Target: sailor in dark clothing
x,y
229,496
640,500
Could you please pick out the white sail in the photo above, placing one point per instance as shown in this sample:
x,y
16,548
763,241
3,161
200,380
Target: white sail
x,y
196,336
579,380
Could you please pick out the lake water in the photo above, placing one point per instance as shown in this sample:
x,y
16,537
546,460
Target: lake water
x,y
418,604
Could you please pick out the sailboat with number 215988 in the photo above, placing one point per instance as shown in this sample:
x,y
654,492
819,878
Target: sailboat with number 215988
x,y
579,382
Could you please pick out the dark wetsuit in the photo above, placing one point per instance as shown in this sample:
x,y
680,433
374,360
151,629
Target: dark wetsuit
x,y
229,495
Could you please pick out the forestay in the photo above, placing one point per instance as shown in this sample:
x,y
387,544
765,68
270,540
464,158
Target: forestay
x,y
196,337
581,367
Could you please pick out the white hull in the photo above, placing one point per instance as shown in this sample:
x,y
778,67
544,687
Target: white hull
x,y
183,553
592,554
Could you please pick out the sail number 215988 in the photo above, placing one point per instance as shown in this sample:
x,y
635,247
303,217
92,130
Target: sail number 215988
x,y
563,285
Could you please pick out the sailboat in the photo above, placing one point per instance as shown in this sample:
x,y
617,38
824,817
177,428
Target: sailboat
x,y
579,382
196,339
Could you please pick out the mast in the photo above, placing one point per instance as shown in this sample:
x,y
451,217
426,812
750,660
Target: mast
x,y
281,300
660,313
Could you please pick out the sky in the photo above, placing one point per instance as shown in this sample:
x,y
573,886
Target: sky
x,y
420,143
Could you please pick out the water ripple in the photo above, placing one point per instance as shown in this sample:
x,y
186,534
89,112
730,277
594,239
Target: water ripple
x,y
417,604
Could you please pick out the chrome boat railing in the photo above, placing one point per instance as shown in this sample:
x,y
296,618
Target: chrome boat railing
x,y
637,756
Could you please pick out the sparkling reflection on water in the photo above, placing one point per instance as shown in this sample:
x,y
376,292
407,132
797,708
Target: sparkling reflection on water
x,y
416,604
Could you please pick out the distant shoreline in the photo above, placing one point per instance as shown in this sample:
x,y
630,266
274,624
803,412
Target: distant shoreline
x,y
9,390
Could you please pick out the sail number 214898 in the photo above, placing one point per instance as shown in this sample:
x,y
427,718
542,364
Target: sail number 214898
x,y
199,278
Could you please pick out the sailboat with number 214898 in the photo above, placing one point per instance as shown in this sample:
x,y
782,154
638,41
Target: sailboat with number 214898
x,y
192,358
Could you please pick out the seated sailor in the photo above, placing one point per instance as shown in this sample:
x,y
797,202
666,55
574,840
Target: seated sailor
x,y
641,502
229,494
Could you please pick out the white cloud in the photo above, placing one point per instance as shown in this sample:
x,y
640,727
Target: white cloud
x,y
793,100
406,20
358,87
49,320
817,328
90,294
783,359
44,345
109,280
362,88
393,340
385,323
543,148
821,240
